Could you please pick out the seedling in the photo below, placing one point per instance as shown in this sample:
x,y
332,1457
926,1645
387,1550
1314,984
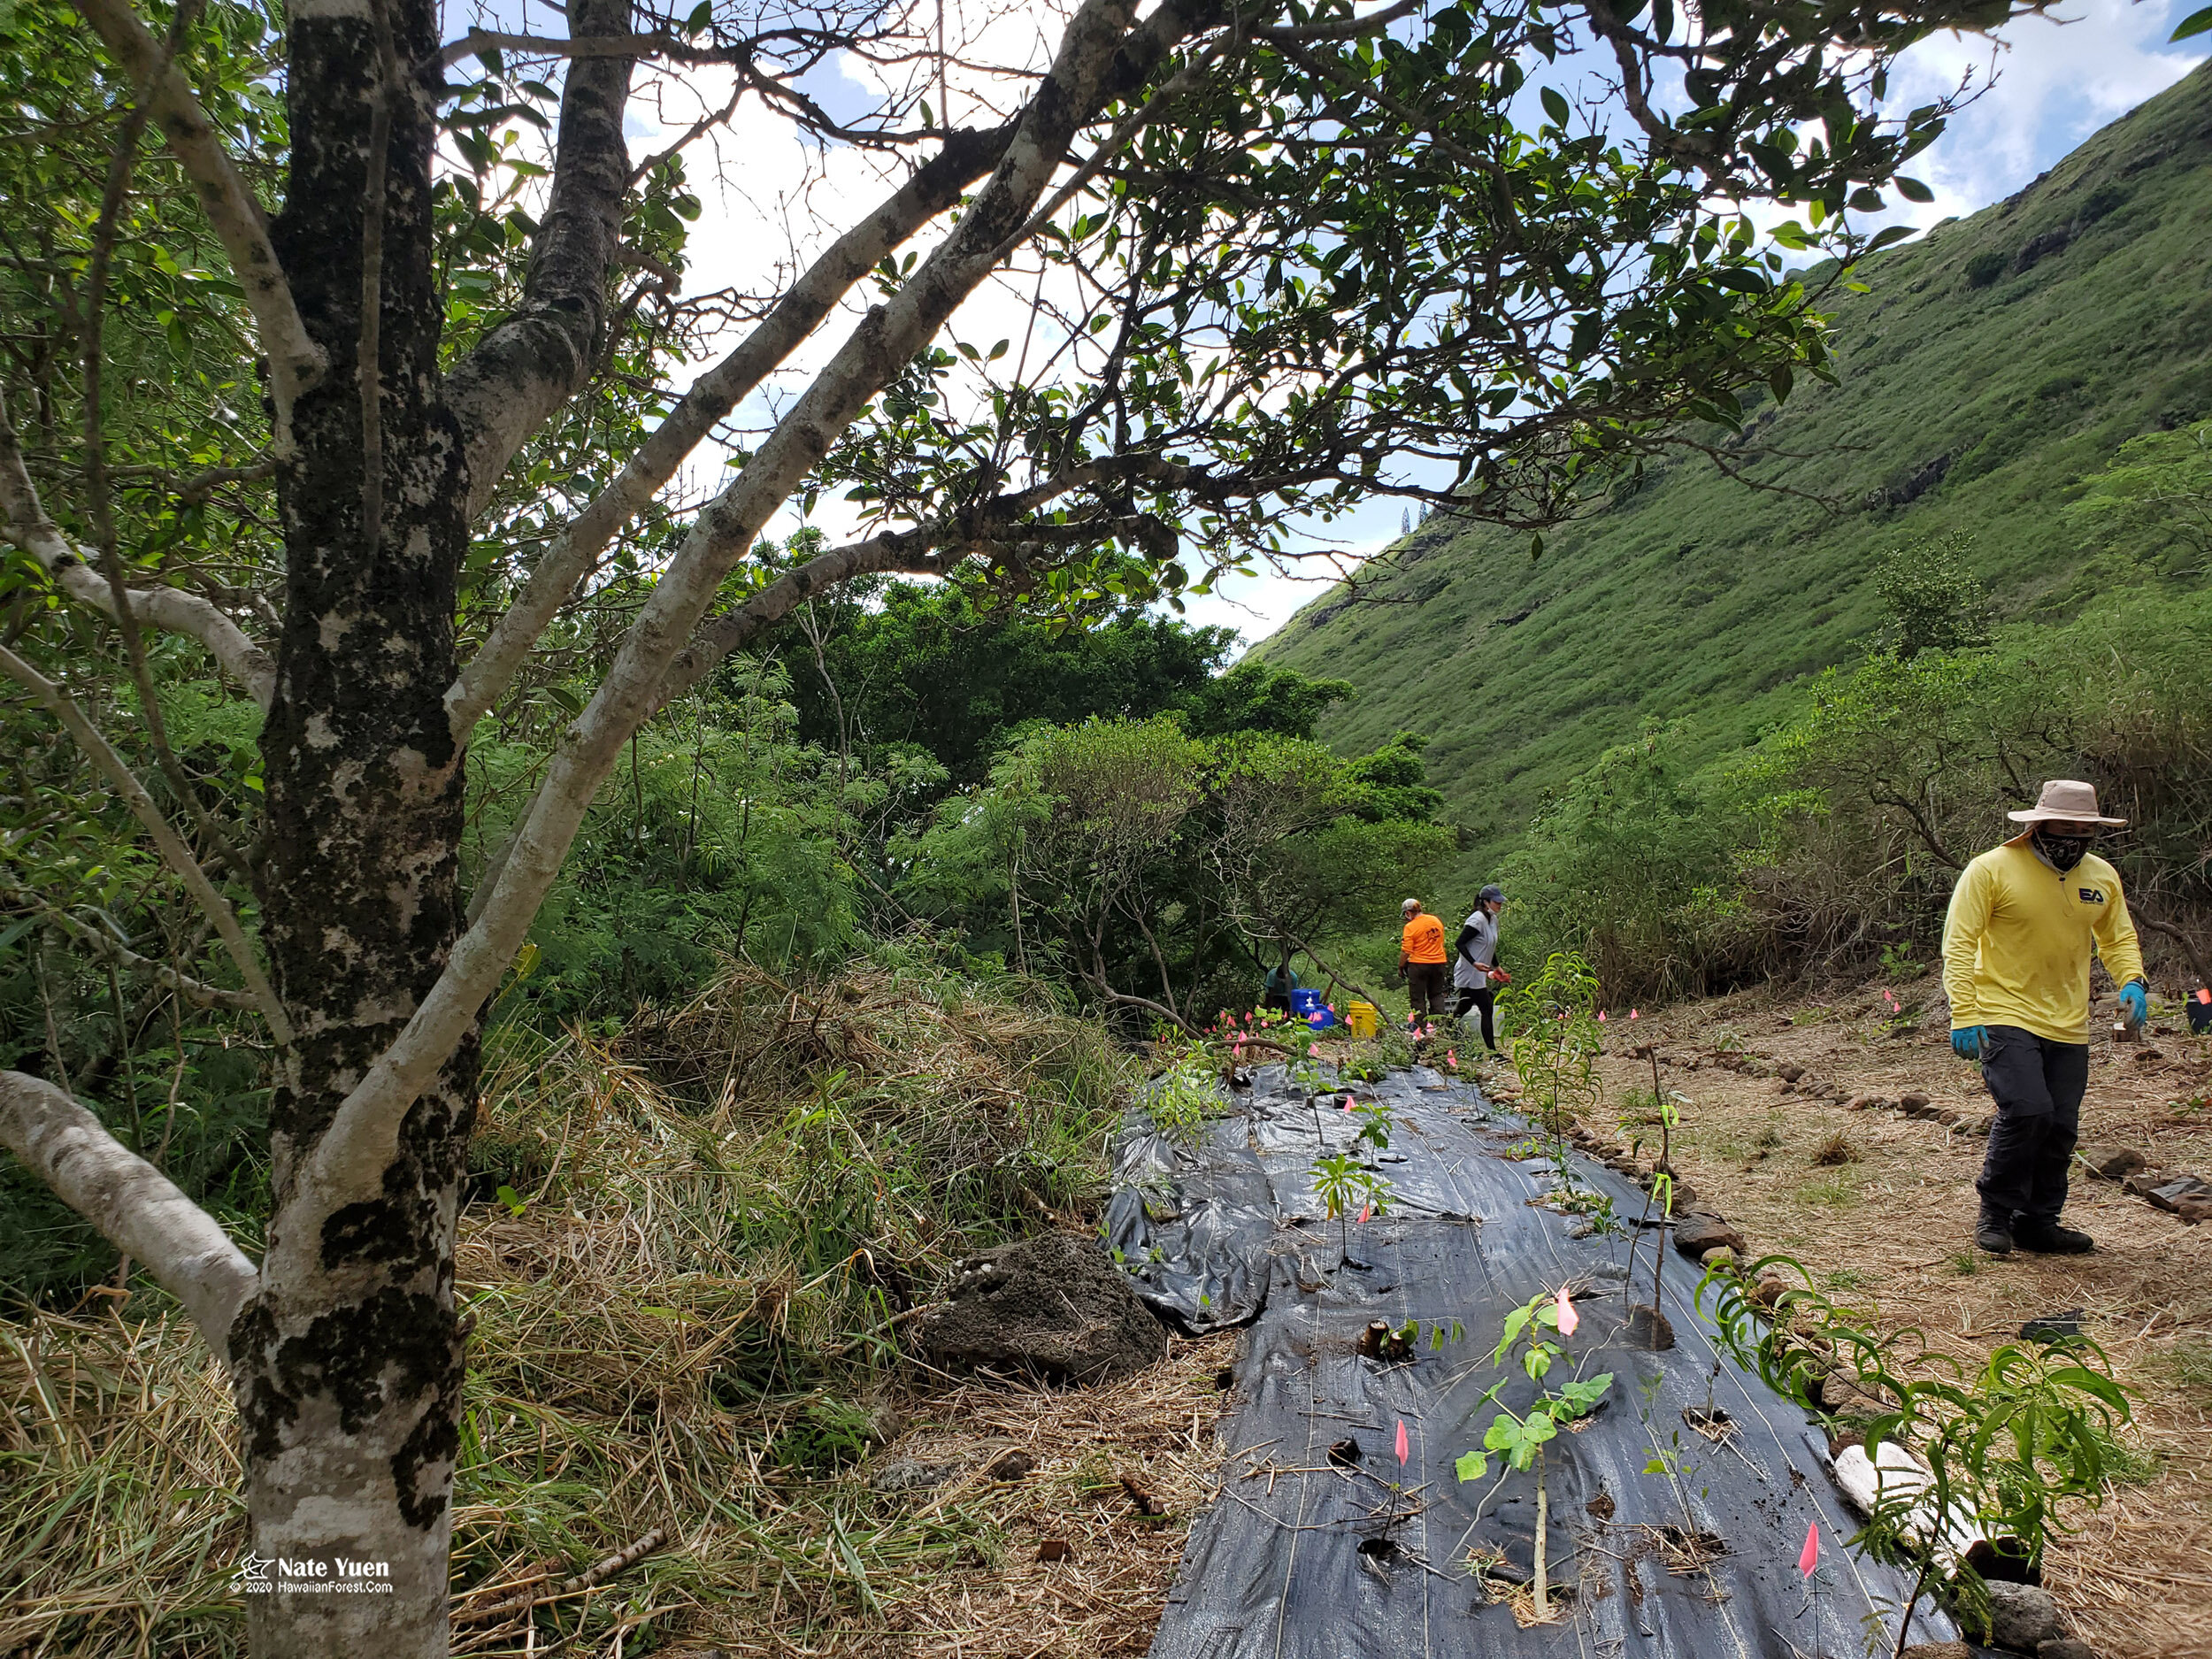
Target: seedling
x,y
1661,1193
1519,1438
1343,1185
2001,1449
1556,1039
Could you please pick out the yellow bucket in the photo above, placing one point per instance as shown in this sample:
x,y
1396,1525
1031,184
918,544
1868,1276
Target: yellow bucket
x,y
1361,1018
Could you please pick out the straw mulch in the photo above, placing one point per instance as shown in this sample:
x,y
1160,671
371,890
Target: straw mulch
x,y
1891,1228
690,1328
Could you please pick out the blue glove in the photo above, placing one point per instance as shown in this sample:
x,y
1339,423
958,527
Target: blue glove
x,y
2136,1001
1967,1040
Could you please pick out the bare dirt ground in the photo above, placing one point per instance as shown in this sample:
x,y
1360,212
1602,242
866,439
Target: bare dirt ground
x,y
1891,1228
1075,1567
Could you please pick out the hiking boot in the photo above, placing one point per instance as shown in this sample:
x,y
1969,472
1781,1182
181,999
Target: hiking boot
x,y
1993,1234
2047,1237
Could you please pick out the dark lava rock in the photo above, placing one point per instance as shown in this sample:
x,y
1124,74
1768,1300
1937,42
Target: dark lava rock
x,y
1694,1234
2112,1163
1053,1306
2064,1647
1015,1465
1938,1650
2188,1197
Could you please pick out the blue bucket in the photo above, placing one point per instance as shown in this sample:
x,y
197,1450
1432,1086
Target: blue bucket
x,y
1308,1006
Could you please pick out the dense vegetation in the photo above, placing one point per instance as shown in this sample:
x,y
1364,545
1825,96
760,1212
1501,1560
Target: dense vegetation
x,y
1668,727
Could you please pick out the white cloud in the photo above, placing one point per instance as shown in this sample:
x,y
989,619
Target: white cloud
x,y
2056,79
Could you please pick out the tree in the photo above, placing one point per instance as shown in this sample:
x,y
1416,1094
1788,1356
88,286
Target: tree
x,y
1931,599
2156,492
1288,245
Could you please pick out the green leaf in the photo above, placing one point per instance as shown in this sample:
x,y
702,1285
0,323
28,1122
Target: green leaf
x,y
2195,23
1472,1466
1912,189
1555,106
508,1196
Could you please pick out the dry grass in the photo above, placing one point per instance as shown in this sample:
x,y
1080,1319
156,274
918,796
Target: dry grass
x,y
1892,1230
691,1326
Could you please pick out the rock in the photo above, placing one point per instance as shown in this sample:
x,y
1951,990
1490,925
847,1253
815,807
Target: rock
x,y
1685,1195
2021,1616
1938,1650
1791,1073
1912,1102
2141,1184
1053,1306
1015,1465
910,1474
2111,1163
1694,1234
1769,1289
1719,1256
2064,1647
2191,1190
1865,1103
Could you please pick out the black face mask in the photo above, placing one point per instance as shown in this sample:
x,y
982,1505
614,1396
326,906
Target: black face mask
x,y
2064,851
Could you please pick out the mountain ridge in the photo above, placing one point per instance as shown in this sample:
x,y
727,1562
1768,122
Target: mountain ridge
x,y
1996,361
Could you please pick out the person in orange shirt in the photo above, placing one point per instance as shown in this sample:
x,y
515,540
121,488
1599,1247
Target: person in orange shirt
x,y
1421,959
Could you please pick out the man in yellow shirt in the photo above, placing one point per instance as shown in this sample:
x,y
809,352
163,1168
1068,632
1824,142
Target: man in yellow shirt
x,y
2024,918
1421,962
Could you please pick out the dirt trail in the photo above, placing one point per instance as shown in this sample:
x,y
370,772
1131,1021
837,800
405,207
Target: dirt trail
x,y
1891,1225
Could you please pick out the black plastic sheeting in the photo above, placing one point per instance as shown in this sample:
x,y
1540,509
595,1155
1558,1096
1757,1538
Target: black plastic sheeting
x,y
1299,1557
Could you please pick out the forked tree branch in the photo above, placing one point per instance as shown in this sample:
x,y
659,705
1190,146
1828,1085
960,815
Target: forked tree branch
x,y
935,186
535,361
174,853
296,362
136,1207
1102,43
23,522
199,992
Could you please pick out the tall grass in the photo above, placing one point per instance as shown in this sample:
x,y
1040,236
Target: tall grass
x,y
685,1304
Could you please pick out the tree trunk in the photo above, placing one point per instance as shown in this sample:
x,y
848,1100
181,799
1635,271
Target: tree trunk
x,y
349,1358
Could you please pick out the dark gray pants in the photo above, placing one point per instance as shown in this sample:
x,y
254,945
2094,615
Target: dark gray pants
x,y
1425,989
2038,1085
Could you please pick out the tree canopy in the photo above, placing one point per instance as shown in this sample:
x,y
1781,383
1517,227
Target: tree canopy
x,y
341,433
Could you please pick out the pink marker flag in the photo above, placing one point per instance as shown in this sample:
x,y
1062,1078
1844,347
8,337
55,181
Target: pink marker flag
x,y
1600,1017
1809,1557
1635,1013
1568,1318
1401,1442
1362,1213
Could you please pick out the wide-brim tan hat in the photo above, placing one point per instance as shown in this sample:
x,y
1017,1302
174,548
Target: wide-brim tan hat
x,y
2067,800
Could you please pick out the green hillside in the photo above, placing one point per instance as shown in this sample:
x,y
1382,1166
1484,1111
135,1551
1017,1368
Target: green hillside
x,y
1991,364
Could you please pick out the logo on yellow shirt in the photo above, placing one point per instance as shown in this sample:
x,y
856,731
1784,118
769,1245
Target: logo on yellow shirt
x,y
2093,895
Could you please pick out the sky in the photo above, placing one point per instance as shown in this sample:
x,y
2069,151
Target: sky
x,y
2048,83
2055,83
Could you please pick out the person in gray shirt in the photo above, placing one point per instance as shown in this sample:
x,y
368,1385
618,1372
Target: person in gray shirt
x,y
1476,974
